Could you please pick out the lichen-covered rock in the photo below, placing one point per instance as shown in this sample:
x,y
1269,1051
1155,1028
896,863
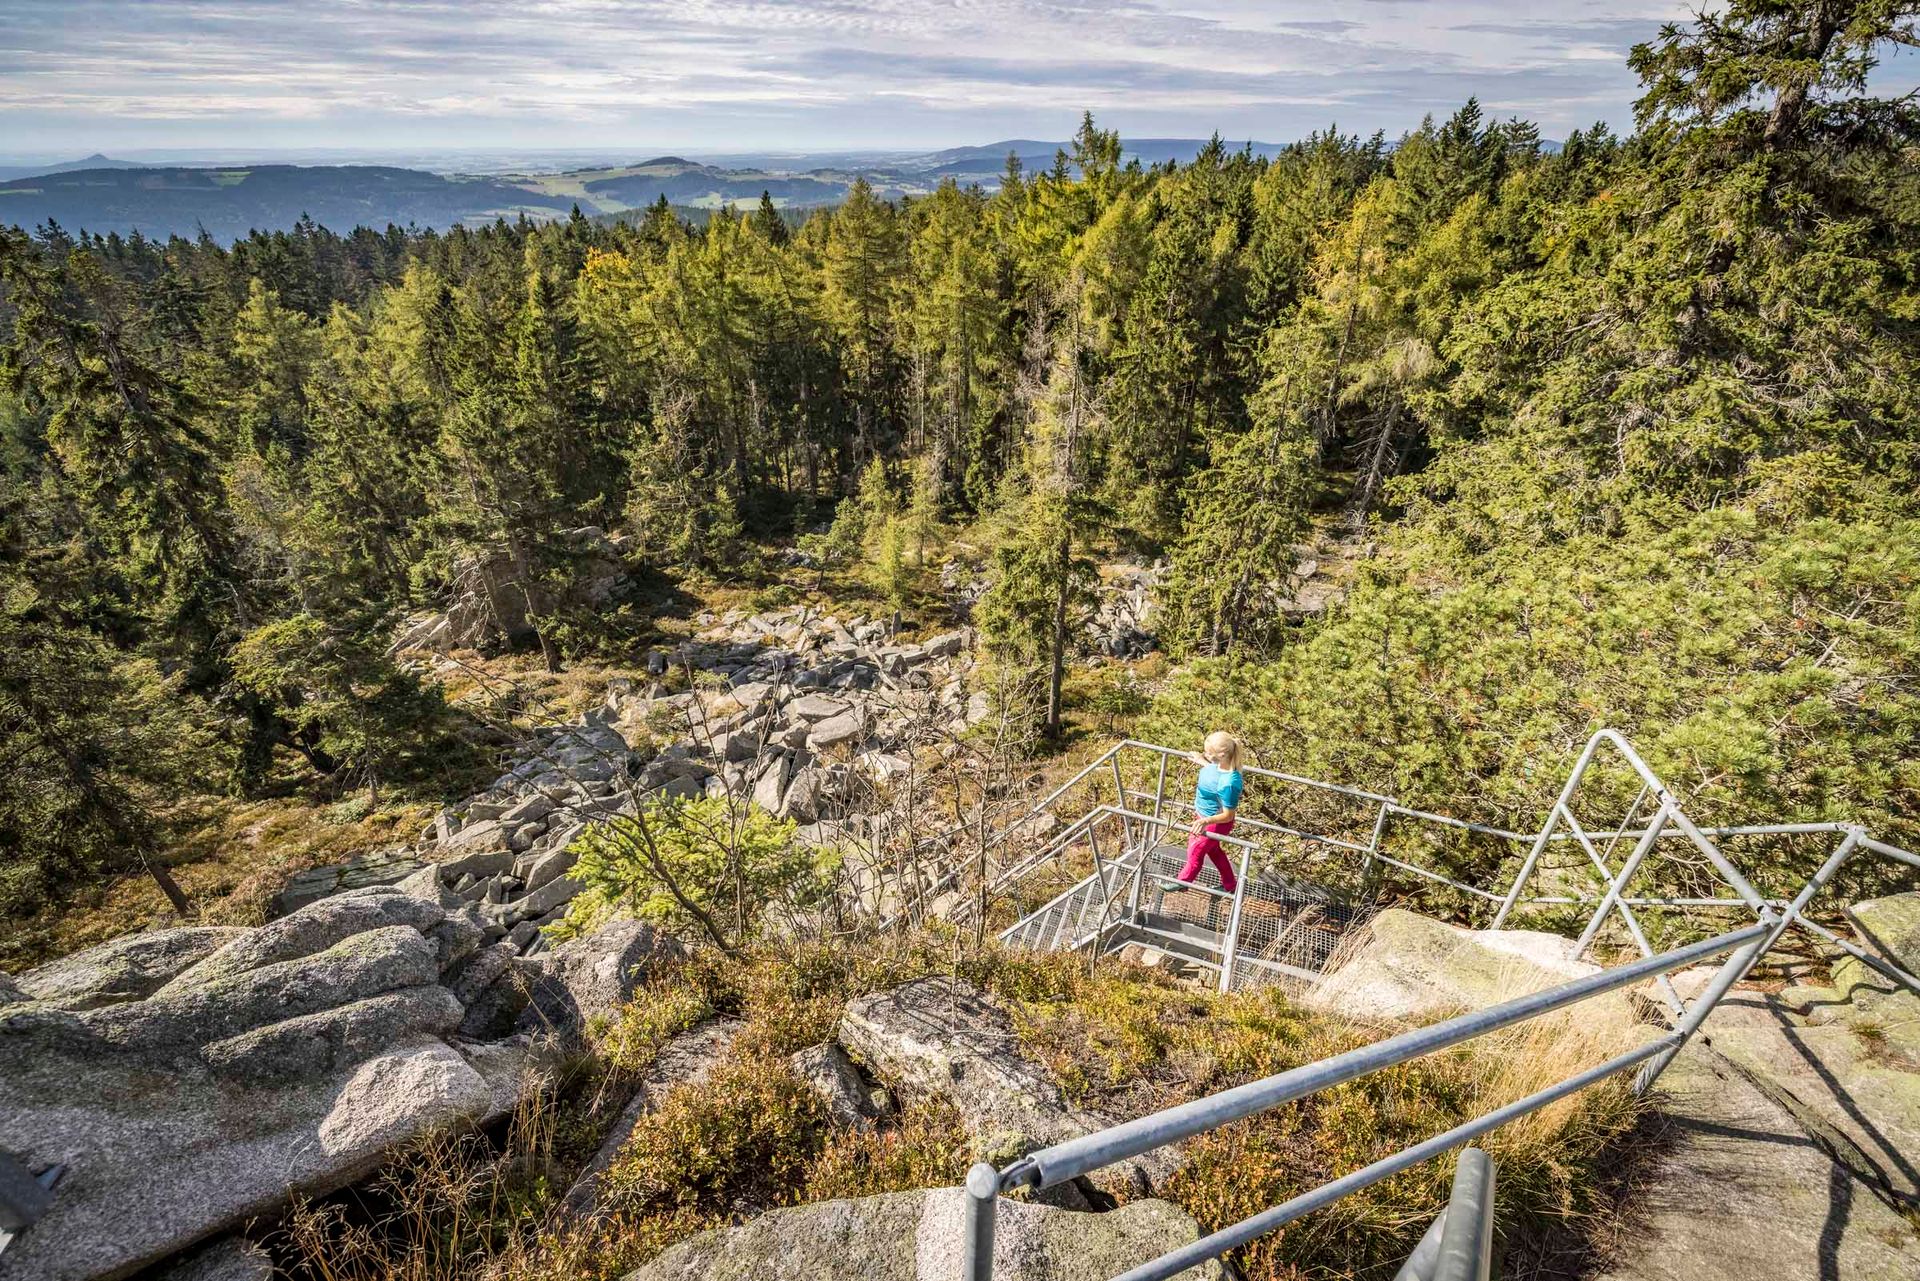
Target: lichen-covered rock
x,y
126,969
162,1154
353,969
1840,1083
915,1236
1738,1192
310,930
316,1043
410,1089
1891,924
945,1039
1412,968
380,868
592,976
833,1076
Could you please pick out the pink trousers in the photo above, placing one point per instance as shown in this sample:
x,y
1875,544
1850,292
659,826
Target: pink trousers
x,y
1204,846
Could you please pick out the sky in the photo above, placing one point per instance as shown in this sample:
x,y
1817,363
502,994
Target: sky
x,y
123,76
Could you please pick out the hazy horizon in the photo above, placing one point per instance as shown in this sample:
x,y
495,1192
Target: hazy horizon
x,y
646,77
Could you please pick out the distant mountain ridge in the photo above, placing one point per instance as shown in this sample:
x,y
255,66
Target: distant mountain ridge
x,y
103,195
94,161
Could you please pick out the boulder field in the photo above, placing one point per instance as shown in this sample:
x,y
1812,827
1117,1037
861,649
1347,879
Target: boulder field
x,y
802,714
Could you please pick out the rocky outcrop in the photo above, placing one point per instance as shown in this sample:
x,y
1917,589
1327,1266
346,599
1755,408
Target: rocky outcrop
x,y
1843,1061
915,1236
589,978
836,1079
1414,969
381,867
1737,1192
192,1080
803,715
125,969
1121,625
944,1039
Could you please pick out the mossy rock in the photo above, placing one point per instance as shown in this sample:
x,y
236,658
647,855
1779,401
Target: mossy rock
x,y
1415,969
1844,1089
1893,924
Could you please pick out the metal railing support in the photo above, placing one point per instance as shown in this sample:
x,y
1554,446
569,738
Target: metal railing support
x,y
1063,1161
1160,790
1232,940
1546,831
1618,883
1466,1243
1731,971
1625,909
1120,799
1218,1243
1419,1264
1368,861
976,1247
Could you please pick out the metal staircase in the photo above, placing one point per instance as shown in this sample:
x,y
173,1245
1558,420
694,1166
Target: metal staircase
x,y
1314,860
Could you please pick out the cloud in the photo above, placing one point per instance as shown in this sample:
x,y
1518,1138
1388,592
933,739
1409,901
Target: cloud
x,y
130,73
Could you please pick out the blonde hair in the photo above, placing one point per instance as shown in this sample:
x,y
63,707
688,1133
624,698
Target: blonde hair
x,y
1220,743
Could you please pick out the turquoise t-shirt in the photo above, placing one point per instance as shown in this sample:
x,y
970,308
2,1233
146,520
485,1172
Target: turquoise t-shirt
x,y
1219,789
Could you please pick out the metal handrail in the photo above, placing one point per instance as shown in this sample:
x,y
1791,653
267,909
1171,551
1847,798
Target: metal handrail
x,y
1667,822
1070,1159
1742,947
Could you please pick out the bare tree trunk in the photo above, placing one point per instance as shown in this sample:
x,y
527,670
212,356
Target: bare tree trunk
x,y
1377,465
182,906
1057,674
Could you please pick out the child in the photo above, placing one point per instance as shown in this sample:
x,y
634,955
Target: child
x,y
1215,802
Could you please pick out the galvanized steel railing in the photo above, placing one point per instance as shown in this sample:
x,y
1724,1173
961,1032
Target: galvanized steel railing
x,y
1075,1157
1147,814
1458,1243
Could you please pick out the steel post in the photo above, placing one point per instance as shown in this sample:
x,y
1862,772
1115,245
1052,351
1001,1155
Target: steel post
x,y
976,1247
1618,883
1731,971
1367,868
1540,842
1466,1243
1419,1264
1233,924
1639,936
1120,799
1160,790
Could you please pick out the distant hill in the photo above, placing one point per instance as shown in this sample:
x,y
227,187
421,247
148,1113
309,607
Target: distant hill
x,y
95,161
102,195
228,203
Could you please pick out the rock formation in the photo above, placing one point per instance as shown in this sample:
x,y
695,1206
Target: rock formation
x,y
192,1079
915,1236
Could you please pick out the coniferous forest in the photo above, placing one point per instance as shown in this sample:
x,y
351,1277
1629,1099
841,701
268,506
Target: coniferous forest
x,y
1630,426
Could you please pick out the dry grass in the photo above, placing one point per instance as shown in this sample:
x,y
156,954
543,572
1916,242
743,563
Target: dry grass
x,y
1118,1038
231,858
